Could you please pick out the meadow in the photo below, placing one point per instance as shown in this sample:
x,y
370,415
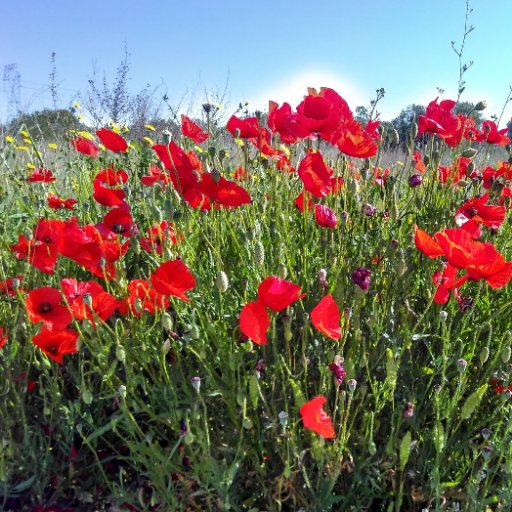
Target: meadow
x,y
259,316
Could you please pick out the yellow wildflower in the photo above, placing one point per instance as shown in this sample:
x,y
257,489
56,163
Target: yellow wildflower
x,y
27,141
21,148
30,165
77,105
149,140
398,162
25,133
150,127
52,145
86,135
198,149
9,139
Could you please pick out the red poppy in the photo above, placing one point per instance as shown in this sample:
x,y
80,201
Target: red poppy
x,y
325,217
3,337
173,278
315,174
438,119
418,162
241,174
425,243
56,203
281,120
492,135
107,196
192,130
277,294
44,305
155,175
119,221
248,128
301,203
323,113
142,297
156,236
254,322
474,212
112,177
325,317
446,282
112,140
353,140
55,344
223,192
85,146
41,175
316,419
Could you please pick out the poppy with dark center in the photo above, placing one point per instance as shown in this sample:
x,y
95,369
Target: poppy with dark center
x,y
281,120
475,211
316,419
119,220
44,305
56,343
157,235
112,140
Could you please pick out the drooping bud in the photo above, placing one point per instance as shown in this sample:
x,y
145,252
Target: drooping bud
x,y
481,105
505,354
222,281
259,254
352,385
283,418
395,137
469,153
484,355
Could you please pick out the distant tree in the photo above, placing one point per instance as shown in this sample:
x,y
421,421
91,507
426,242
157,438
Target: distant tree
x,y
47,125
404,121
467,108
362,114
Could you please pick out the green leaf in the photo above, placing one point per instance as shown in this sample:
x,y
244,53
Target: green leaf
x,y
438,437
405,450
472,402
254,392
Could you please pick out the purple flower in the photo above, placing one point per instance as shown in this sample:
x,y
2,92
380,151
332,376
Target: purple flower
x,y
415,180
361,277
339,372
369,210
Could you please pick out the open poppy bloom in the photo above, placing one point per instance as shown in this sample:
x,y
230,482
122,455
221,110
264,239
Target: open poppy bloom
x,y
173,278
254,322
85,146
325,317
446,282
316,419
277,294
248,128
142,297
55,344
56,203
112,140
475,212
45,305
156,236
325,217
41,175
315,174
192,130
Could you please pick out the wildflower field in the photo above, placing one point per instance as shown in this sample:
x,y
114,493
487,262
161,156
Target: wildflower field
x,y
258,316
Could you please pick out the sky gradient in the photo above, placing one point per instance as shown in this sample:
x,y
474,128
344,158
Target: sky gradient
x,y
261,50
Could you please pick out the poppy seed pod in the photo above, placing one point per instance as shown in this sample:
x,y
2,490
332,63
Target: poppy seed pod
x,y
415,180
222,281
259,254
167,137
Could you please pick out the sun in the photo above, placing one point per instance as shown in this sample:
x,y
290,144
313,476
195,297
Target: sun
x,y
293,89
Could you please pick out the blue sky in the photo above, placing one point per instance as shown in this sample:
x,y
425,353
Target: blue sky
x,y
260,50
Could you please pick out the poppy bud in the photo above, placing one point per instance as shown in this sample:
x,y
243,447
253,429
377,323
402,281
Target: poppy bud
x,y
469,153
167,322
415,180
137,305
461,365
470,169
259,254
166,347
86,396
395,137
443,315
196,383
369,210
372,448
505,354
322,277
409,411
282,271
414,130
122,391
402,267
361,278
481,105
166,136
221,281
222,154
120,354
484,355
283,418
352,385
87,299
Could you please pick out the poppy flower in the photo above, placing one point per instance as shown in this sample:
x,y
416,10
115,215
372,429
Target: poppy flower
x,y
56,203
155,175
44,305
192,130
494,136
353,140
254,322
173,278
3,337
325,217
119,221
281,120
156,236
325,317
446,282
277,294
112,140
361,277
425,243
55,344
315,174
85,146
41,175
338,369
475,211
439,120
107,196
223,192
142,297
316,419
418,162
112,177
248,128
